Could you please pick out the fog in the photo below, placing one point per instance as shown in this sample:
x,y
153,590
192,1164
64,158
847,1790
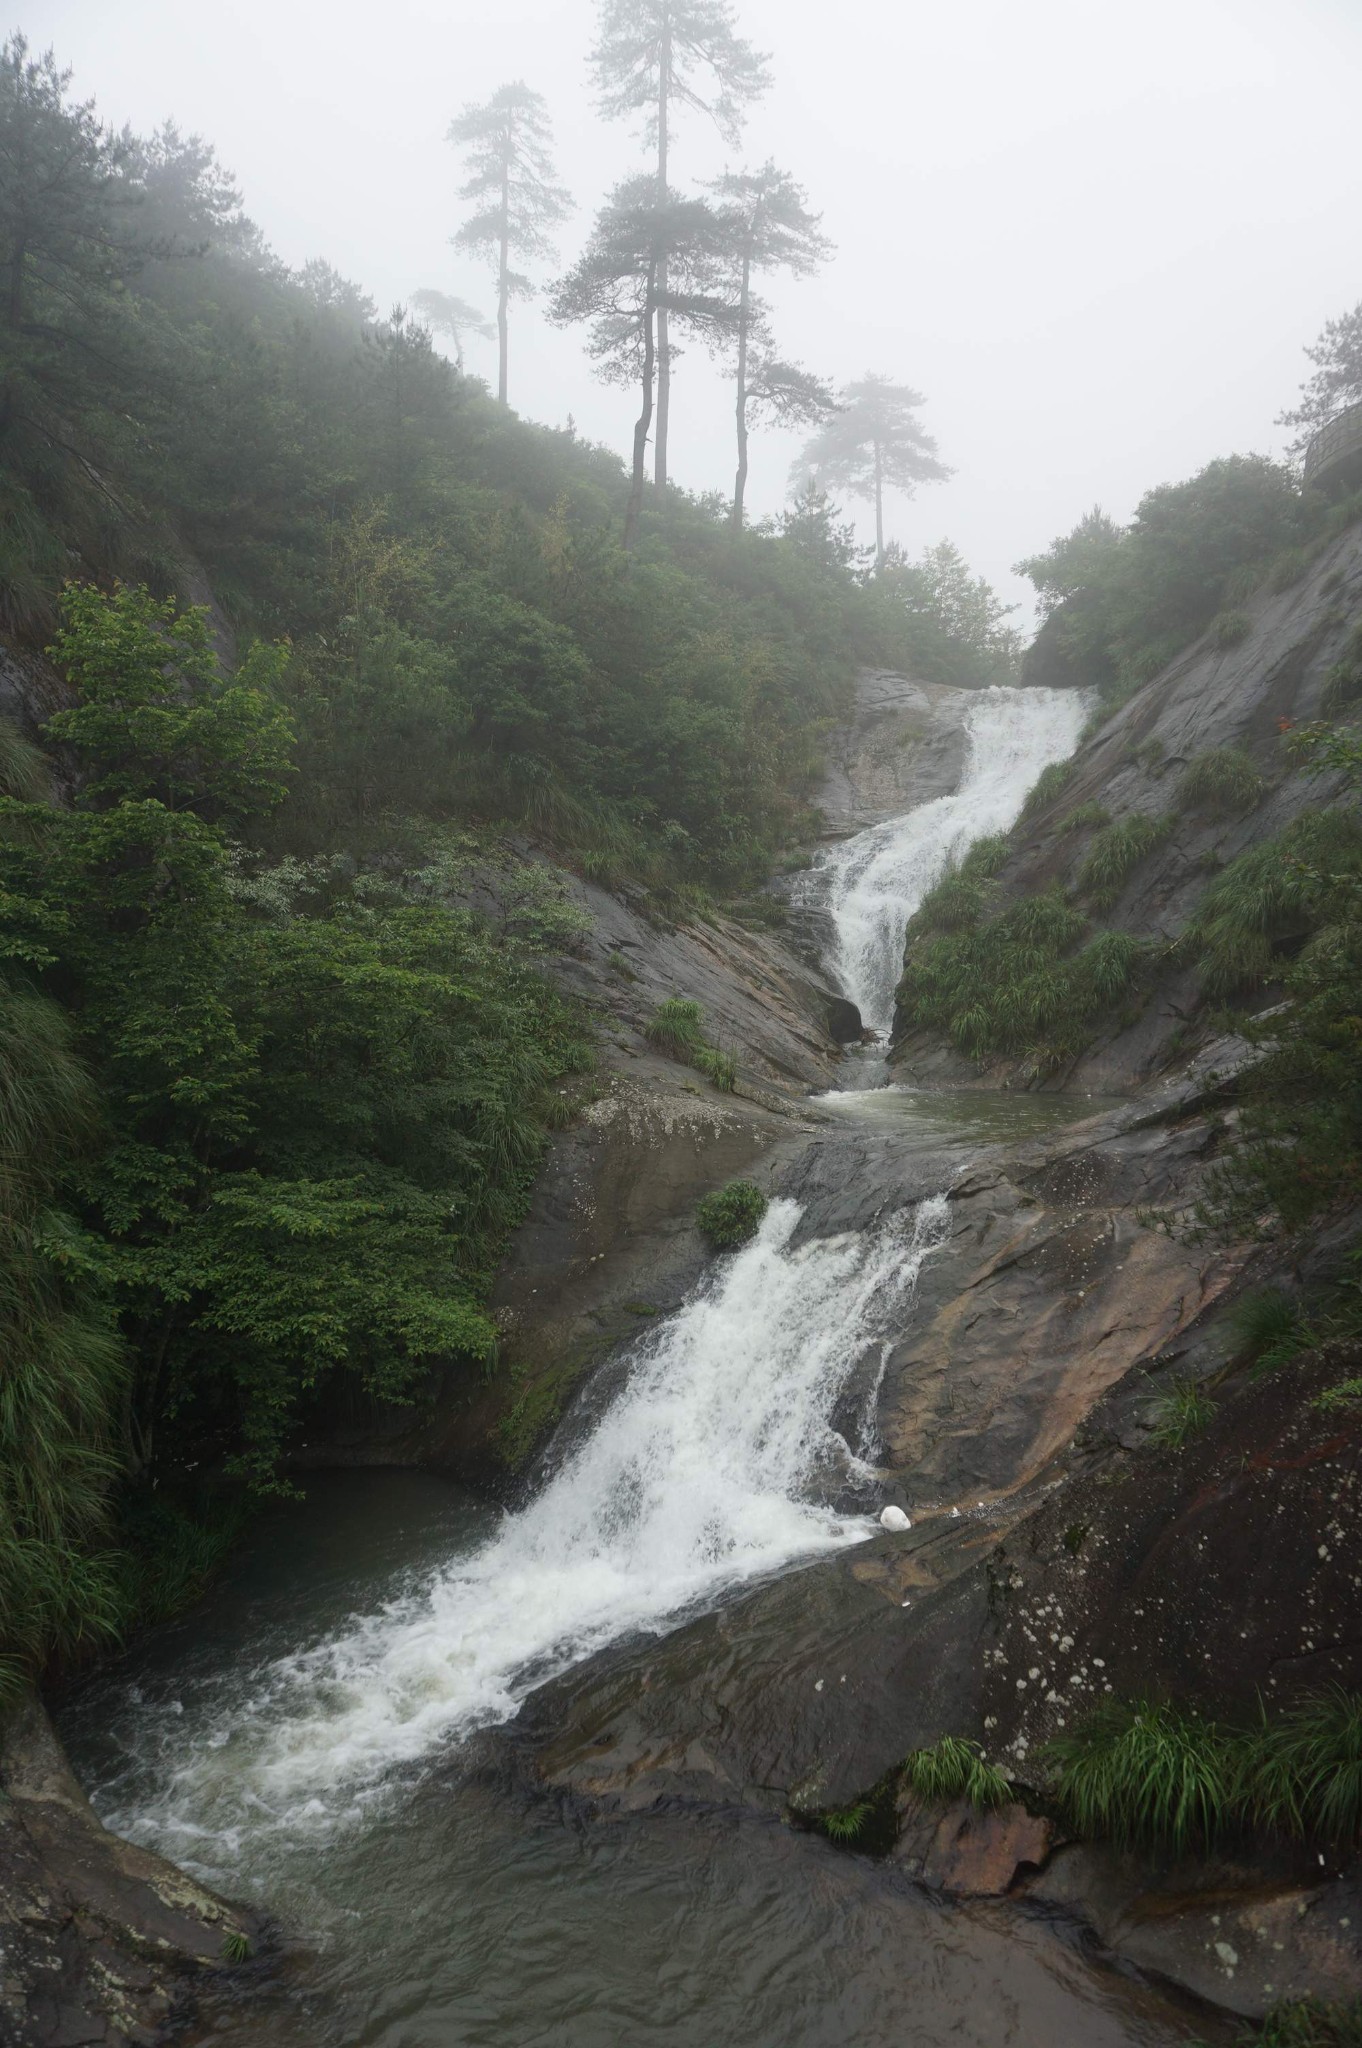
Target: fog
x,y
1096,238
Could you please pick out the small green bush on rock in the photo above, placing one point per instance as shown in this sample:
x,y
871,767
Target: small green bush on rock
x,y
1230,629
955,1768
732,1216
1221,781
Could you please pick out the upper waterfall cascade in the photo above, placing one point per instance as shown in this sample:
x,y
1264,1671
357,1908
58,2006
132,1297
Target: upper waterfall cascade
x,y
872,883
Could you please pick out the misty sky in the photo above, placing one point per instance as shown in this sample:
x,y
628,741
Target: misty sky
x,y
1096,237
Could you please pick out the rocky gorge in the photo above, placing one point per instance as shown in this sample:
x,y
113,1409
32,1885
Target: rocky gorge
x,y
1015,1295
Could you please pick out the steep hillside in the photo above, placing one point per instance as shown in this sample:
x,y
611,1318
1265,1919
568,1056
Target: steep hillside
x,y
1118,853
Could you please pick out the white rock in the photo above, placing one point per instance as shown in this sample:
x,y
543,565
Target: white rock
x,y
894,1518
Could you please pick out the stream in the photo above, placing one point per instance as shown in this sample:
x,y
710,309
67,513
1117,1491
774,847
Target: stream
x,y
321,1736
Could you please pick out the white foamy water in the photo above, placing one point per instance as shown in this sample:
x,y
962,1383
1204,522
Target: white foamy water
x,y
873,883
715,1464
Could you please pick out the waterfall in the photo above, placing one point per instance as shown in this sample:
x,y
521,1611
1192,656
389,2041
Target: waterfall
x,y
871,884
717,1463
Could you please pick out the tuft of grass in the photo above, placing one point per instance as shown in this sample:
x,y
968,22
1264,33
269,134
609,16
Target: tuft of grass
x,y
732,1216
1267,1325
955,1768
1180,1412
1300,1772
1307,2023
846,1823
676,1028
1287,569
1115,853
1155,1775
1143,1774
1047,787
1084,818
1230,629
1221,781
236,1946
1267,896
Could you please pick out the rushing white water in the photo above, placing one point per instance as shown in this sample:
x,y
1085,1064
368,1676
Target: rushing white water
x,y
872,883
715,1464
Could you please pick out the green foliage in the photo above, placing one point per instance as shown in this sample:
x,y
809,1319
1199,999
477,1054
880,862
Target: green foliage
x,y
1116,851
1180,1412
1344,1395
1268,1327
325,1093
1120,602
1162,1776
955,1768
1047,787
1277,891
1343,684
1084,818
65,1371
1220,781
676,1027
1144,1774
1230,629
1013,983
932,618
236,1946
732,1216
1307,2023
846,1823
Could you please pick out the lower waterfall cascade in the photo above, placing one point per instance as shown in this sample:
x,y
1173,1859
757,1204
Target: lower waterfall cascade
x,y
714,1465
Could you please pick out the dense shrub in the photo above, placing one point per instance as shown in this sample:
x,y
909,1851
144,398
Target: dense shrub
x,y
1161,1776
1220,781
732,1216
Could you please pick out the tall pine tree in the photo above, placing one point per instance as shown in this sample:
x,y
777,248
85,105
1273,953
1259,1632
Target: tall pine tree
x,y
651,57
513,184
646,251
873,443
767,220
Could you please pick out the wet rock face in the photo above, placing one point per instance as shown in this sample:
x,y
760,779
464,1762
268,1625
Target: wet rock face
x,y
99,1941
1215,1574
1208,698
903,745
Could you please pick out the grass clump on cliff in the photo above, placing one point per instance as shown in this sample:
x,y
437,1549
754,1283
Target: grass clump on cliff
x,y
1269,900
1158,1776
1116,851
1269,1328
955,1768
1146,1775
1179,1412
1020,982
1049,785
676,1028
732,1216
1307,2023
1220,782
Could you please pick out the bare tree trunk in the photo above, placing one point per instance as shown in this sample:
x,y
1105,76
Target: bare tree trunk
x,y
879,510
740,480
664,354
634,508
503,272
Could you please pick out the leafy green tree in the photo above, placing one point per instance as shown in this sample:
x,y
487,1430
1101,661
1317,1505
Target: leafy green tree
x,y
65,1372
645,252
872,443
1336,382
1120,602
651,57
512,182
766,218
942,621
447,314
